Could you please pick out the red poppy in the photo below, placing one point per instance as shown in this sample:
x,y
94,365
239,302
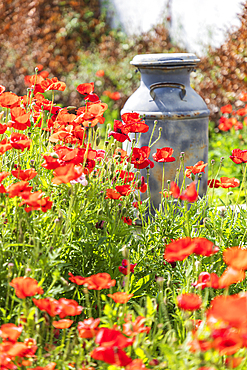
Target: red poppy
x,y
62,324
124,189
24,175
112,338
242,111
131,118
9,100
232,362
206,280
2,89
112,194
120,132
213,183
20,119
164,155
18,188
50,366
229,344
179,250
91,115
190,194
197,168
10,332
19,141
243,96
86,88
100,281
113,356
68,307
100,73
225,124
189,301
120,297
5,146
26,287
236,257
53,84
36,202
144,186
136,365
174,191
50,163
140,157
119,152
127,220
231,276
49,305
226,182
204,247
226,109
115,95
127,267
67,173
46,104
239,156
3,128
132,328
126,176
88,328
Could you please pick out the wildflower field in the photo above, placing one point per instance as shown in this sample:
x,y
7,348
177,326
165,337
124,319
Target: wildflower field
x,y
90,278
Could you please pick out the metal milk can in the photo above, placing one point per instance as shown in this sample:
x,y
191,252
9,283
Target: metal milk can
x,y
165,95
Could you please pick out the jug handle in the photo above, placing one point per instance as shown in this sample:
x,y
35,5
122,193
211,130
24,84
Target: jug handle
x,y
157,85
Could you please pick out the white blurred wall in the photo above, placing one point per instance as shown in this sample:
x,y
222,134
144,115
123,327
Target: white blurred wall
x,y
194,23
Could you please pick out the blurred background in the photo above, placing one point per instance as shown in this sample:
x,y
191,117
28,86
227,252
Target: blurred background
x,y
94,41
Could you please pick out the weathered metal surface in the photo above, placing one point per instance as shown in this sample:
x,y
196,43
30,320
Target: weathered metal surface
x,y
165,95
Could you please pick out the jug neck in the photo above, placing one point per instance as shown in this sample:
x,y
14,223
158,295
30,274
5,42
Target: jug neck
x,y
168,74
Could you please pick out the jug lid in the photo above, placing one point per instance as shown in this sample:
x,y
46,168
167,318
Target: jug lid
x,y
168,59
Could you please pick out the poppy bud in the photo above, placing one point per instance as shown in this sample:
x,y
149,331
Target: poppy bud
x,y
199,175
106,143
222,159
160,129
124,211
128,167
98,141
54,155
139,183
105,166
212,162
168,182
155,122
112,167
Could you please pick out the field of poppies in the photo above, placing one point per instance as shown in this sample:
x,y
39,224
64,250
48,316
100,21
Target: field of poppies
x,y
90,278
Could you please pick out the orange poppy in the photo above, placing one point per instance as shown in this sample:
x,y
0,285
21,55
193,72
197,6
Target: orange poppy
x,y
20,141
226,182
236,257
229,344
49,305
189,301
62,324
226,109
112,194
136,365
26,287
190,194
100,281
68,307
9,100
231,276
207,280
3,175
140,156
10,332
204,247
79,280
2,89
35,202
164,155
120,152
5,146
132,328
124,189
86,88
18,188
67,173
120,297
88,328
100,73
20,119
232,362
225,124
239,156
197,168
24,175
3,128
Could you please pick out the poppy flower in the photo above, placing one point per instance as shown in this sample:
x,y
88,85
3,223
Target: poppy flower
x,y
134,124
36,202
19,141
120,132
236,257
5,146
115,95
112,356
120,297
24,175
3,175
48,305
242,111
67,173
197,168
232,362
20,118
190,194
231,309
106,337
213,183
231,276
207,280
136,364
164,155
189,301
174,190
243,96
226,182
91,115
62,324
100,73
143,187
127,267
18,188
86,88
2,89
53,84
140,157
100,281
226,109
10,332
127,220
225,124
9,100
204,247
3,128
119,152
112,194
179,250
50,366
131,117
124,189
229,344
239,156
126,176
132,328
79,280
25,287
68,307
88,328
